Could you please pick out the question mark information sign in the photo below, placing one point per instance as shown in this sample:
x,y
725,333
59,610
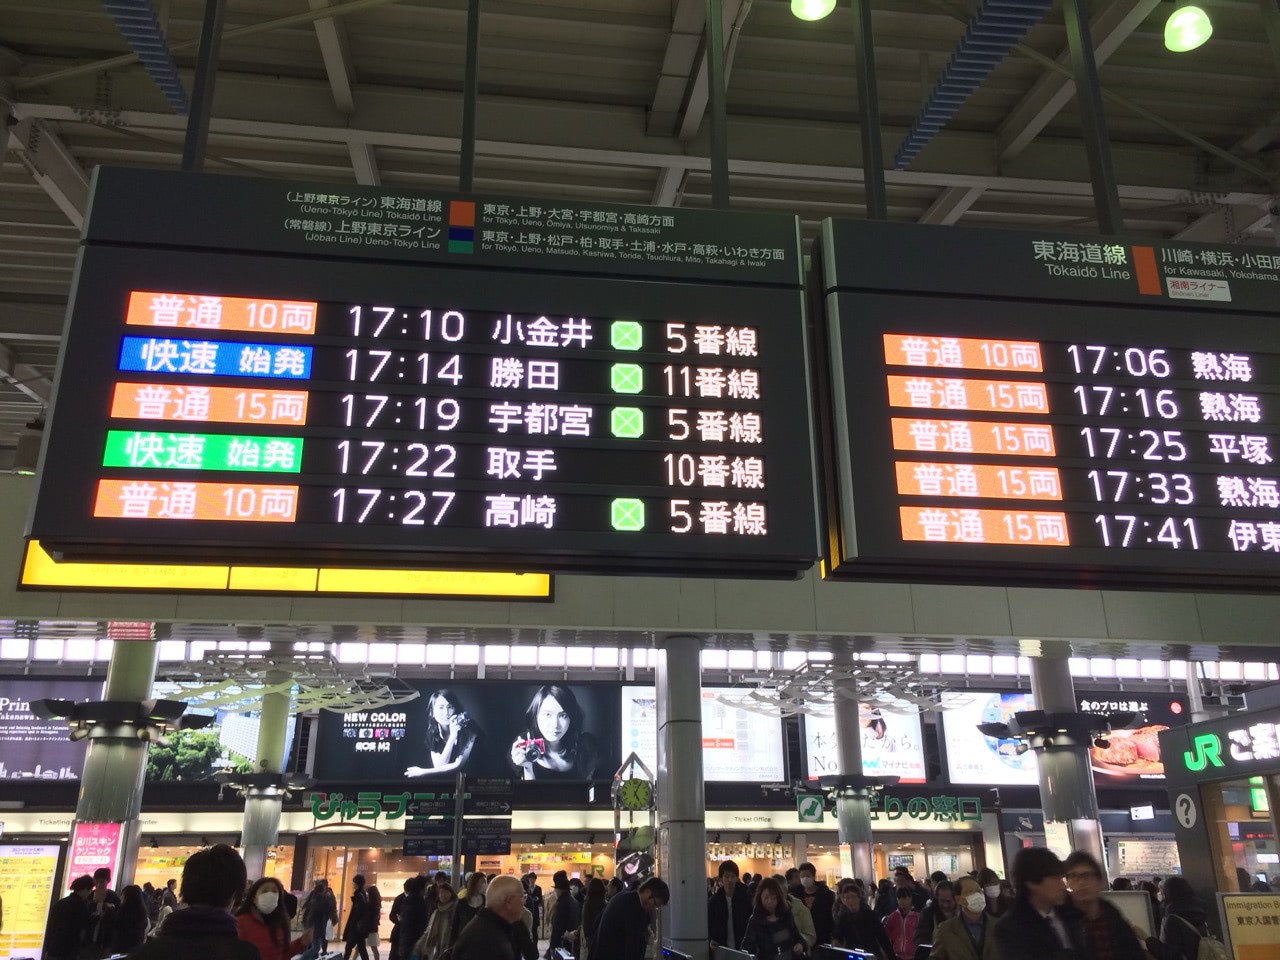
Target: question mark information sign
x,y
258,371
1184,808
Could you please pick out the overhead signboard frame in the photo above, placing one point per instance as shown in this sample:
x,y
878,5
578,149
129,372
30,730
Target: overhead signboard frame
x,y
299,374
1016,408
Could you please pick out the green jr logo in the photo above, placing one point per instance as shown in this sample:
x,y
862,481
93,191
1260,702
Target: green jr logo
x,y
1206,750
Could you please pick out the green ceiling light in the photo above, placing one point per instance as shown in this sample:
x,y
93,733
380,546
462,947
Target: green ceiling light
x,y
812,9
1187,28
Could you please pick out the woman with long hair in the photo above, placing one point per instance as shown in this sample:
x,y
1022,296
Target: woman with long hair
x,y
451,735
552,743
772,933
131,921
439,935
592,911
263,921
471,903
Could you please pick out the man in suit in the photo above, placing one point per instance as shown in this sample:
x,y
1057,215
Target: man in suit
x,y
1040,925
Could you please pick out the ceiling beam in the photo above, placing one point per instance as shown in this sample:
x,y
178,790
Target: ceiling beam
x,y
1226,223
667,191
682,94
23,377
951,204
52,166
1053,91
733,13
364,163
610,136
688,17
331,34
1258,141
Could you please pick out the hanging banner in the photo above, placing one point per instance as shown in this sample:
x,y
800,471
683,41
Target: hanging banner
x,y
93,846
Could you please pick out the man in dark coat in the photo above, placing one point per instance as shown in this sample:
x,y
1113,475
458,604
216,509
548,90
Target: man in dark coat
x,y
212,881
728,909
68,921
624,926
490,935
359,917
1040,925
566,913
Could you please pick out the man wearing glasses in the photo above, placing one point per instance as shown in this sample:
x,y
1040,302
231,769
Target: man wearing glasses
x,y
1109,934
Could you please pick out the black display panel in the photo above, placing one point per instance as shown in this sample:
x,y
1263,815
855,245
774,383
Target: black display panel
x,y
525,731
1039,435
323,393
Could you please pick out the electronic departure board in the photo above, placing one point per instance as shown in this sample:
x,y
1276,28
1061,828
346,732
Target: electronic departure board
x,y
259,371
1008,408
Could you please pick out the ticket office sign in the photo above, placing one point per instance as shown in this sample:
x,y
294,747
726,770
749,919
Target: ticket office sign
x,y
1023,440
231,405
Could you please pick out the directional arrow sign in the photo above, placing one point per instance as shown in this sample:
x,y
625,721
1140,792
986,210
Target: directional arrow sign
x,y
809,807
487,806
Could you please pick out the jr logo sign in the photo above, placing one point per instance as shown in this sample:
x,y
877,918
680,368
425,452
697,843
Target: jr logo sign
x,y
1206,750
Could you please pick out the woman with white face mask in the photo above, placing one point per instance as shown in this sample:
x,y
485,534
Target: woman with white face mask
x,y
263,920
970,934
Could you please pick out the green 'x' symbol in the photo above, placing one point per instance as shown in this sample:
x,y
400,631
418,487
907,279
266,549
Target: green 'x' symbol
x,y
626,378
627,422
627,513
626,335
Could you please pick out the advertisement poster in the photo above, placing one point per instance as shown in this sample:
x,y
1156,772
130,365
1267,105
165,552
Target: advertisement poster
x,y
737,745
35,749
1132,756
975,758
27,878
93,846
1250,924
229,743
487,728
892,744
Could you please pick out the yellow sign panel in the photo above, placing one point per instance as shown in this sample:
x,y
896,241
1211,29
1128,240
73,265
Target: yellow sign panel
x,y
1253,924
41,570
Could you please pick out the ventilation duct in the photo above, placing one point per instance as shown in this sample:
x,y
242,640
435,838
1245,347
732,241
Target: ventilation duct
x,y
137,22
994,29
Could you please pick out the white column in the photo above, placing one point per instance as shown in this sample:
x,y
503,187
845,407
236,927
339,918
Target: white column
x,y
1067,792
115,766
853,807
682,826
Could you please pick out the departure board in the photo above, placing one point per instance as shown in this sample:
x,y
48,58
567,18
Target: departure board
x,y
1108,419
380,375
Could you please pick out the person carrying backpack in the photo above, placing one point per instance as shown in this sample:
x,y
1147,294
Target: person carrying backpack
x,y
1184,935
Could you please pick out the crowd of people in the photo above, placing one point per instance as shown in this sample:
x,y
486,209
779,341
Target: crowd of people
x,y
1052,910
218,915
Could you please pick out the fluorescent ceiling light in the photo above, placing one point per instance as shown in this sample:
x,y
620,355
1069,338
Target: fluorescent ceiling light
x,y
812,9
1186,29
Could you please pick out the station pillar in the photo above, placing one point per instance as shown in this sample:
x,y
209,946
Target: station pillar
x,y
682,827
260,828
1067,793
115,762
853,806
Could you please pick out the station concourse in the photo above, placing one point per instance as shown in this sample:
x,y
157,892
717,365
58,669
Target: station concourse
x,y
606,440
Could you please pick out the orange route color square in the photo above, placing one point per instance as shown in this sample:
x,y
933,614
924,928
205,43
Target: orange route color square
x,y
462,213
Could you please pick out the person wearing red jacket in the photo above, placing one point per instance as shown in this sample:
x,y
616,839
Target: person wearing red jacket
x,y
263,921
899,925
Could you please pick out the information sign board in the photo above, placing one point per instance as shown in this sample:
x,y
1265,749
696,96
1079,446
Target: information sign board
x,y
93,846
261,371
1093,411
27,879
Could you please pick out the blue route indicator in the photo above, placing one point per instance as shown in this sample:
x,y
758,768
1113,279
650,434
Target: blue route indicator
x,y
215,358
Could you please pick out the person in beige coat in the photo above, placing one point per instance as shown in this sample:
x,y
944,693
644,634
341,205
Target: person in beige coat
x,y
440,930
970,934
